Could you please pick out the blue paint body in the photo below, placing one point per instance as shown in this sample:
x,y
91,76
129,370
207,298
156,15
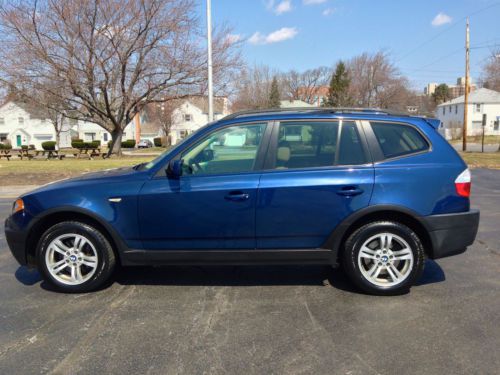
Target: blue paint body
x,y
288,209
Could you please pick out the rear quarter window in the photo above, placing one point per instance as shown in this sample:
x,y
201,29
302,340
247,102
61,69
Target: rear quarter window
x,y
398,139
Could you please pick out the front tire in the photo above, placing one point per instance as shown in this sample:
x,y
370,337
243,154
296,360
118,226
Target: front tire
x,y
383,258
75,257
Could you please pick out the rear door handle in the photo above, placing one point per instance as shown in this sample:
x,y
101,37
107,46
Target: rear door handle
x,y
237,196
349,191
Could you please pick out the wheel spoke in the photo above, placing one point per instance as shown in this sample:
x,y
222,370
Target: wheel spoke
x,y
89,261
385,241
394,272
374,270
366,252
59,266
404,254
79,243
59,247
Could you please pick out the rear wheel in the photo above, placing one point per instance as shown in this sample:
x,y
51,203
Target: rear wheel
x,y
383,258
75,257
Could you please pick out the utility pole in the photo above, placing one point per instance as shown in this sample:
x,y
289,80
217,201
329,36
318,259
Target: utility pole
x,y
466,96
210,83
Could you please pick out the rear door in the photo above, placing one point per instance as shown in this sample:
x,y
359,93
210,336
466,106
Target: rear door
x,y
316,174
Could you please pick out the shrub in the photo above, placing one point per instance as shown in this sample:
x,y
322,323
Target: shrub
x,y
129,143
49,145
77,143
2,146
95,144
24,147
157,142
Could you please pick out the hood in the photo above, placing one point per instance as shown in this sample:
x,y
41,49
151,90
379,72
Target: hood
x,y
105,176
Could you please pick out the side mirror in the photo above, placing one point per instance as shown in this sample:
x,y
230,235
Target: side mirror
x,y
174,169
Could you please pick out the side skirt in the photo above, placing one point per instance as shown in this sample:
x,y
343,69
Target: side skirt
x,y
228,257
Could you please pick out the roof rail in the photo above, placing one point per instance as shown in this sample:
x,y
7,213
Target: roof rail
x,y
315,110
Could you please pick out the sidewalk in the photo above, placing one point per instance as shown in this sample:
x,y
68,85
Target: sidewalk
x,y
12,192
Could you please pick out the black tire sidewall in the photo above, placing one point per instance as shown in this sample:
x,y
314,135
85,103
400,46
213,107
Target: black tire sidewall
x,y
105,259
357,239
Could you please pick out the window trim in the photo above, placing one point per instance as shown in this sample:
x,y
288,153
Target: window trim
x,y
376,150
270,162
259,159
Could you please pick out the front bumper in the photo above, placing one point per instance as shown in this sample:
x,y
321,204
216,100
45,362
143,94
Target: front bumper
x,y
16,239
450,234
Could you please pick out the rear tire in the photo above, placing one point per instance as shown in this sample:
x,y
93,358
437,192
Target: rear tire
x,y
75,257
383,258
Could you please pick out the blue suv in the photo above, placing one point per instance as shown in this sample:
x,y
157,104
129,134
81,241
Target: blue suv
x,y
369,190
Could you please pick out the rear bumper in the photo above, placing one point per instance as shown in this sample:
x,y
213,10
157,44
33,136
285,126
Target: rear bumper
x,y
451,233
16,239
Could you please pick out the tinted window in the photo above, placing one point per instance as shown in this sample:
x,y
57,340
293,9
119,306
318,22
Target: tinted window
x,y
316,144
228,150
398,139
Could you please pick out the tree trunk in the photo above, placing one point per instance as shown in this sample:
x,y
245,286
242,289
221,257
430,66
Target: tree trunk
x,y
116,143
58,140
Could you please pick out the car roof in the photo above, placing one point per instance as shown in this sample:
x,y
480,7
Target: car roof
x,y
325,113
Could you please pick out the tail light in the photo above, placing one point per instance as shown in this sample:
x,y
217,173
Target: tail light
x,y
463,184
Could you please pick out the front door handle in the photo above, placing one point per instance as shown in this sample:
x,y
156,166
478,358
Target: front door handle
x,y
349,191
237,196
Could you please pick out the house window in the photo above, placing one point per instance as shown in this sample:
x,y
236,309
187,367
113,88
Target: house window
x,y
3,137
89,137
187,117
105,137
183,134
478,107
456,109
2,121
20,121
444,110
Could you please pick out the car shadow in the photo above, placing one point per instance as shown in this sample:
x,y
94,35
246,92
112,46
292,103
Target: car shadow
x,y
234,276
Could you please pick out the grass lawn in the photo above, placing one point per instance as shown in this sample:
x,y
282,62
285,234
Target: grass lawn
x,y
482,160
488,140
36,172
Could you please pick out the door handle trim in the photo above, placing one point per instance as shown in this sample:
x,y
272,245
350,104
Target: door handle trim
x,y
350,191
237,197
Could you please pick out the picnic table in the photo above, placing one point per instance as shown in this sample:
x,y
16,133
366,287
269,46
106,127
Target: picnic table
x,y
88,152
5,154
51,154
26,153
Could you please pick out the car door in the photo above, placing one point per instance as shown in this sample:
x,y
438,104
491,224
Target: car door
x,y
212,204
317,173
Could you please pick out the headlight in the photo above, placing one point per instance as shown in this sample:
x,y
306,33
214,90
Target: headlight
x,y
18,206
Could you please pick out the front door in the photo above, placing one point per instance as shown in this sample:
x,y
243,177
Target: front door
x,y
212,205
19,141
317,173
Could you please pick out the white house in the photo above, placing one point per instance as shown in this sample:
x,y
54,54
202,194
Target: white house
x,y
88,132
480,102
22,124
192,113
186,115
295,104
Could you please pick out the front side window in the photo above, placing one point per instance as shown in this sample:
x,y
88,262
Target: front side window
x,y
318,144
398,139
228,150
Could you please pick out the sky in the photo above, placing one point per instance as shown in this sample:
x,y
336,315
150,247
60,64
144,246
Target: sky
x,y
424,38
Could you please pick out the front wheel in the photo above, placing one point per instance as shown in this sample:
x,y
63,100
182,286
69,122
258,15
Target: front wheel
x,y
75,257
383,258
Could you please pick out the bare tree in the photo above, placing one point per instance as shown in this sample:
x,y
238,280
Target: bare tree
x,y
110,58
376,82
253,87
491,72
304,85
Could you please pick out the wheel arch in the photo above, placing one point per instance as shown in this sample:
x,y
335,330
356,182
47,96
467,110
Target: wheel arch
x,y
359,218
53,217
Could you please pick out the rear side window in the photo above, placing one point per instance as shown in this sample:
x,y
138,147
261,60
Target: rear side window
x,y
318,144
398,139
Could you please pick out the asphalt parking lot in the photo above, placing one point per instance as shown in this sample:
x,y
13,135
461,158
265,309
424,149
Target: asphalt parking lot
x,y
259,320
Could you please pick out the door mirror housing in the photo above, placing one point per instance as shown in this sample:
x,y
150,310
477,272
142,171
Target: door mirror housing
x,y
174,169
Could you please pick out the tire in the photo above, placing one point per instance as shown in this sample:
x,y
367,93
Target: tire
x,y
383,258
79,255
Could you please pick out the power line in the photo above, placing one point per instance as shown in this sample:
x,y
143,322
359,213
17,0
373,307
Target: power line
x,y
445,30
